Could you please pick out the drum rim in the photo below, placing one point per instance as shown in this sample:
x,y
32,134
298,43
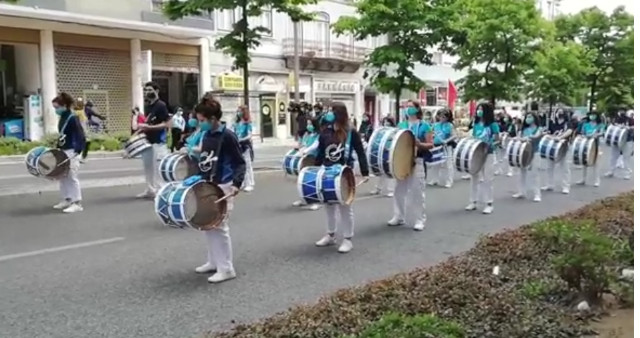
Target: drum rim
x,y
223,205
157,198
346,200
369,152
396,137
65,166
299,182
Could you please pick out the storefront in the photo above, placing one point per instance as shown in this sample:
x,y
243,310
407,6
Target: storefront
x,y
349,92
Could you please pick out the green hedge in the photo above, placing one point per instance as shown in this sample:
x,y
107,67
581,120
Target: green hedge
x,y
99,142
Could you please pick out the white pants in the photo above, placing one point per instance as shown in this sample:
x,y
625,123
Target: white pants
x,y
443,172
70,185
530,178
219,252
593,170
385,184
249,180
626,158
150,165
341,216
412,188
565,173
482,183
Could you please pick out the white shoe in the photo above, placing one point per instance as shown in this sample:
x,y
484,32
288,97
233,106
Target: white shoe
x,y
374,192
395,221
419,226
345,246
62,205
471,207
75,207
314,207
537,199
546,188
565,191
517,195
510,174
608,174
627,177
487,210
597,184
432,183
389,194
297,203
327,240
466,177
83,161
220,277
248,189
206,268
448,185
146,194
581,183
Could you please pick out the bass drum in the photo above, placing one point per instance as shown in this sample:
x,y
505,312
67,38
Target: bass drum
x,y
192,204
584,151
329,185
519,153
470,155
391,153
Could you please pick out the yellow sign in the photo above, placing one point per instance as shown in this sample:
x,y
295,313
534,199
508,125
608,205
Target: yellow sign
x,y
230,82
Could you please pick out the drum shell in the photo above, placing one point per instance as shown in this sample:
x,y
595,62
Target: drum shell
x,y
519,153
294,162
616,136
177,167
136,145
391,153
58,166
329,185
584,151
161,204
470,155
208,215
553,149
438,156
31,160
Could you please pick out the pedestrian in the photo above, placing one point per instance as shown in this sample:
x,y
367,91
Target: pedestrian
x,y
486,129
244,131
592,128
384,183
309,146
78,110
412,189
529,176
155,127
95,121
221,163
335,145
137,118
177,128
72,142
561,127
443,135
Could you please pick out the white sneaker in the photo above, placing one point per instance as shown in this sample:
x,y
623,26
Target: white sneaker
x,y
419,226
565,191
395,221
470,207
488,209
465,177
374,192
248,189
206,268
608,174
581,183
448,185
432,183
314,207
546,188
327,240
75,207
345,246
297,203
596,184
537,199
517,195
389,194
62,205
146,194
510,174
220,277
627,177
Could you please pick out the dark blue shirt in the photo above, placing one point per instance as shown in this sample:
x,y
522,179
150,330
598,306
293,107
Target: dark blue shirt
x,y
331,151
221,160
71,134
156,113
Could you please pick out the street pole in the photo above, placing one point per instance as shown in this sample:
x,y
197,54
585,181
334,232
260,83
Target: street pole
x,y
296,61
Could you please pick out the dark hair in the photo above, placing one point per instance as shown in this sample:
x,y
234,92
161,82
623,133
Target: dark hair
x,y
153,85
416,105
487,114
314,123
536,119
342,120
63,99
245,113
446,112
209,112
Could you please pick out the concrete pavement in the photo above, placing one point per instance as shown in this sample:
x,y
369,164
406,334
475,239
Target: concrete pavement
x,y
114,271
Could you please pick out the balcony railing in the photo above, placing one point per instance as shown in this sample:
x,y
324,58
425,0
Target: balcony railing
x,y
325,50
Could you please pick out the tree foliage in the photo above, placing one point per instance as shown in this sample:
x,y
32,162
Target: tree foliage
x,y
495,41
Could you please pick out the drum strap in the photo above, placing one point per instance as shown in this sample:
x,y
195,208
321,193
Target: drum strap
x,y
61,136
347,147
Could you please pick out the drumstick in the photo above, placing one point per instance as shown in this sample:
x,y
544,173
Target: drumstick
x,y
223,198
363,181
67,160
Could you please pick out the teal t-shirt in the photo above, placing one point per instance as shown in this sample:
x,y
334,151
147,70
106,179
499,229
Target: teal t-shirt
x,y
193,141
442,131
486,133
590,128
530,131
403,125
243,129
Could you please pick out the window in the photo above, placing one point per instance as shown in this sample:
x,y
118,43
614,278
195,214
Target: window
x,y
265,20
437,58
227,17
318,31
156,6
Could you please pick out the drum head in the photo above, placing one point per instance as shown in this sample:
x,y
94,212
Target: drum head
x,y
592,152
403,156
348,185
527,154
200,206
184,167
49,164
563,149
478,157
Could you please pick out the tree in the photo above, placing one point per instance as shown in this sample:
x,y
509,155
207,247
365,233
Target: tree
x,y
558,72
608,42
242,38
495,41
412,28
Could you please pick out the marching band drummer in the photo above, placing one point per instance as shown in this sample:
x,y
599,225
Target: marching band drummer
x,y
244,130
413,187
623,120
72,142
560,127
193,141
485,128
334,148
443,135
529,177
309,145
221,162
592,128
385,183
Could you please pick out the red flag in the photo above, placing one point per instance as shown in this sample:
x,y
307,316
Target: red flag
x,y
472,108
452,95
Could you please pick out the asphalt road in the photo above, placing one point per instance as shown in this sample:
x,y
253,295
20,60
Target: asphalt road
x,y
114,271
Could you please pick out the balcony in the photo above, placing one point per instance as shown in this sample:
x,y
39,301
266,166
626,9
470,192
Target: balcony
x,y
322,56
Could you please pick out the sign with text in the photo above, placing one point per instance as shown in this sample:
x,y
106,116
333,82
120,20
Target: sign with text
x,y
335,86
230,82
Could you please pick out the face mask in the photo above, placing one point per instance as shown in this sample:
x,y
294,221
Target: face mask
x,y
310,128
329,117
205,126
239,114
592,117
479,113
60,110
505,119
529,120
151,96
193,122
412,111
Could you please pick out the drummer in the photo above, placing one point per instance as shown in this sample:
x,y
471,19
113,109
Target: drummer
x,y
486,129
309,146
244,131
443,135
335,146
72,142
529,176
624,121
412,188
384,183
592,128
193,141
561,127
221,162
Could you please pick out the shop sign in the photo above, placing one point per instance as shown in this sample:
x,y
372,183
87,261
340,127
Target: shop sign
x,y
336,86
230,82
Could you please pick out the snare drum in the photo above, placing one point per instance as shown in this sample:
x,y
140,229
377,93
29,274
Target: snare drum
x,y
192,204
552,149
161,204
438,156
177,167
49,163
519,153
616,136
136,145
294,161
391,152
584,151
330,185
470,154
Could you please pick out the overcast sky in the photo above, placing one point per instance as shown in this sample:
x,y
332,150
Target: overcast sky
x,y
573,6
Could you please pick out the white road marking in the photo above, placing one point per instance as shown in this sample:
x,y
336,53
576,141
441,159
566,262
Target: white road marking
x,y
60,248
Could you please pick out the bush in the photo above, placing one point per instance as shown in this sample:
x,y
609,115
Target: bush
x,y
99,142
400,326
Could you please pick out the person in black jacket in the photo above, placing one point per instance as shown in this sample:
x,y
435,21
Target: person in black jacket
x,y
72,141
222,163
335,146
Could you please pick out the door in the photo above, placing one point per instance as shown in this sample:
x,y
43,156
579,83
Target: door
x,y
267,111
